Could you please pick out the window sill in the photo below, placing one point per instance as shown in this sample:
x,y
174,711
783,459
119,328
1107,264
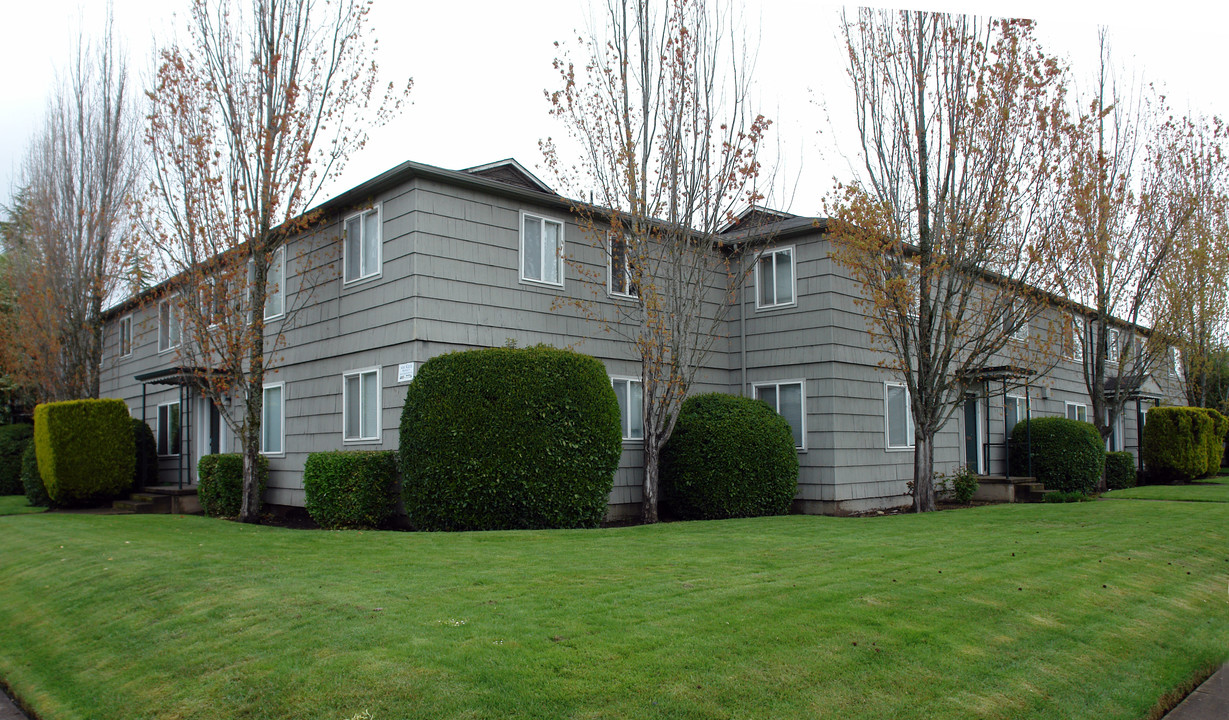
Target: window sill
x,y
163,352
362,279
541,284
362,441
781,306
622,297
908,448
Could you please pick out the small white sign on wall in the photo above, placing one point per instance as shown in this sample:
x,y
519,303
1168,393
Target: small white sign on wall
x,y
405,372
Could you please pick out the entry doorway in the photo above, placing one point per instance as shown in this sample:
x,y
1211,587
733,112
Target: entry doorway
x,y
973,434
212,435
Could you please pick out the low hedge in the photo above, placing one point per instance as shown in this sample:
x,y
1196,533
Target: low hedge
x,y
86,453
146,472
13,442
1176,443
1120,470
351,489
220,482
509,438
728,457
1215,441
1067,455
36,493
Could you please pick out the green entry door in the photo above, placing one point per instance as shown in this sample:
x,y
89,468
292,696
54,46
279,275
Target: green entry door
x,y
972,434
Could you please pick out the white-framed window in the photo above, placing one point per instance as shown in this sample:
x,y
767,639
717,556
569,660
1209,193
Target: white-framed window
x,y
1015,409
1077,411
788,398
1114,442
541,249
898,430
362,247
774,278
273,419
361,405
1076,339
168,429
125,336
630,393
275,286
168,324
1111,346
1175,361
619,281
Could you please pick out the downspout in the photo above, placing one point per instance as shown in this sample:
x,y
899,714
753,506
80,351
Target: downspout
x,y
742,334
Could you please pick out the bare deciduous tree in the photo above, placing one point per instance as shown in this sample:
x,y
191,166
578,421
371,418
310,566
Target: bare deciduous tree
x,y
68,253
247,122
948,230
669,143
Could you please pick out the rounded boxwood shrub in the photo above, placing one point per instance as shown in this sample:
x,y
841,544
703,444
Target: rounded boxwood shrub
x,y
509,438
1067,455
146,472
1215,441
1175,443
1119,470
36,493
13,442
728,457
86,453
220,482
351,489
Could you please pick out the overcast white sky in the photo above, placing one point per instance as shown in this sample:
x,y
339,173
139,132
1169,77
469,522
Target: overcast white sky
x,y
480,68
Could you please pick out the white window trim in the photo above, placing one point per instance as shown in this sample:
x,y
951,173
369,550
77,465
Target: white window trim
x,y
202,437
979,427
793,277
627,271
625,423
169,302
1024,408
802,383
910,425
1175,362
1077,338
379,434
279,256
378,209
520,252
158,430
125,320
282,424
1112,349
1067,405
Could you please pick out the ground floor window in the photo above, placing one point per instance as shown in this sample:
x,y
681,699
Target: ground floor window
x,y
1077,411
272,425
1016,409
168,428
361,401
787,398
898,416
630,393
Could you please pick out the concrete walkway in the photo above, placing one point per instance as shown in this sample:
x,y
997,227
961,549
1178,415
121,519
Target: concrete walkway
x,y
1209,701
9,711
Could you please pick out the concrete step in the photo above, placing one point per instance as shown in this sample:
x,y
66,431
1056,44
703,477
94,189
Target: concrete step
x,y
159,500
137,506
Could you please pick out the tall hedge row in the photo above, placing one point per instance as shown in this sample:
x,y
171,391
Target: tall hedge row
x,y
220,483
1067,455
509,438
1215,441
352,489
36,492
1119,470
1176,443
13,442
145,473
85,450
728,457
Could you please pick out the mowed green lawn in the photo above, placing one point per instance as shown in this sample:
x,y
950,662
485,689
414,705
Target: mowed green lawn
x,y
1086,610
1206,490
17,505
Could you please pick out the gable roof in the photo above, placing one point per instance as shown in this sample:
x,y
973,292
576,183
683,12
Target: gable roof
x,y
510,171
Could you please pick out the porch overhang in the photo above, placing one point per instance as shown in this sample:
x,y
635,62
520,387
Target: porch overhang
x,y
998,372
175,376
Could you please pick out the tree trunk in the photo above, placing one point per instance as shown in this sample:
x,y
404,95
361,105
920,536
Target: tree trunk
x,y
652,454
249,510
923,474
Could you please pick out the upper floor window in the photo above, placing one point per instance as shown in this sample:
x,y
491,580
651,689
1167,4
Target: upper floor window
x,y
168,324
1074,342
898,416
1175,361
787,398
273,416
541,249
275,286
1014,325
361,402
775,278
1111,346
630,393
619,268
125,336
362,246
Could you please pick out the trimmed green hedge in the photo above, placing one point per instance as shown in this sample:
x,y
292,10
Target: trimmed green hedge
x,y
1119,470
351,489
86,454
728,457
146,472
220,483
1176,443
1068,455
1215,441
509,438
36,493
13,442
